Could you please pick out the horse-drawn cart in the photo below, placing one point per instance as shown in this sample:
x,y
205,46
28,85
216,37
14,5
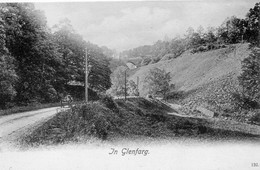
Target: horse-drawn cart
x,y
66,100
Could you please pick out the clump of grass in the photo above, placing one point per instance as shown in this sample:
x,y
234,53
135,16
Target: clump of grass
x,y
109,103
91,119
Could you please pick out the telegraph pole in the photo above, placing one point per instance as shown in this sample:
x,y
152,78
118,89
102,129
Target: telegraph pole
x,y
137,83
259,29
125,84
86,76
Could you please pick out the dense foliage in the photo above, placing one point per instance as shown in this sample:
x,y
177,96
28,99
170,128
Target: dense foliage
x,y
250,77
158,82
37,63
118,81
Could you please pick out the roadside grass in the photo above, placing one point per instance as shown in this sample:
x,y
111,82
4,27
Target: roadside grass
x,y
32,107
18,109
111,120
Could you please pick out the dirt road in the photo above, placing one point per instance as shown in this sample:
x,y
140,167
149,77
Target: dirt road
x,y
218,123
12,127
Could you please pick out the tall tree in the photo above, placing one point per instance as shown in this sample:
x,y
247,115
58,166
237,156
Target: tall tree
x,y
100,72
158,82
252,24
118,81
8,76
73,49
28,41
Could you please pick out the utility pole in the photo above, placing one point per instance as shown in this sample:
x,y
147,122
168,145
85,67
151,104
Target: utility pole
x,y
125,84
86,76
137,84
227,28
259,28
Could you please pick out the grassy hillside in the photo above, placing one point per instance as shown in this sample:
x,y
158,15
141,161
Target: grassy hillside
x,y
207,78
189,71
136,118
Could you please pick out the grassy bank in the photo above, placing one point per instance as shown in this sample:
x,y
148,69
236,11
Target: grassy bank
x,y
111,120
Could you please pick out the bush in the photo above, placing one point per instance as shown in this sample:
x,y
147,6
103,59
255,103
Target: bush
x,y
154,60
255,118
199,49
168,57
207,47
145,61
243,102
175,95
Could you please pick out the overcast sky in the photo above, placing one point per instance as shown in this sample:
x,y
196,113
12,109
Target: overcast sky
x,y
125,25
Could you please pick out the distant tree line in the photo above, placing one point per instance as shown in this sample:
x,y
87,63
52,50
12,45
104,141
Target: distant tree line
x,y
232,30
37,63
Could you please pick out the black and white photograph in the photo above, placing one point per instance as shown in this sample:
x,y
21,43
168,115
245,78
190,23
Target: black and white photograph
x,y
130,85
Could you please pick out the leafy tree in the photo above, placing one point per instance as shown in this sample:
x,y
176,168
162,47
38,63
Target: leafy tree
x,y
73,49
8,75
118,81
231,30
99,76
194,39
44,61
252,25
210,36
132,88
201,31
114,63
158,82
28,40
8,78
108,52
250,77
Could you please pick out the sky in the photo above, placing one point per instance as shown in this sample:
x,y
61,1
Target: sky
x,y
122,25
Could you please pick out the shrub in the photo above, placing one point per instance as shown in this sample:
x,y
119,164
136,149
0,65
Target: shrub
x,y
168,57
210,46
199,49
241,101
145,61
255,118
154,60
175,95
132,88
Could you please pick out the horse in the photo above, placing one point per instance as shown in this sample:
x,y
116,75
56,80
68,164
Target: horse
x,y
67,99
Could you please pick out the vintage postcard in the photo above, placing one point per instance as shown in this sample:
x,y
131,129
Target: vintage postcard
x,y
130,85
